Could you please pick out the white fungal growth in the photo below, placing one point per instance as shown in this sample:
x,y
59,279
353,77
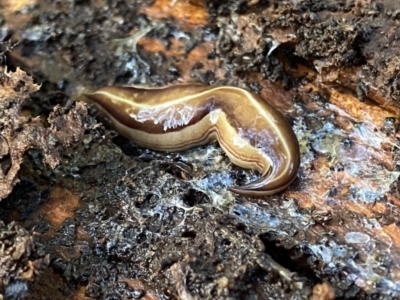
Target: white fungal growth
x,y
214,115
239,141
357,238
169,117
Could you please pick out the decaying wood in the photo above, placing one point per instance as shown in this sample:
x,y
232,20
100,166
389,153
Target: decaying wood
x,y
166,222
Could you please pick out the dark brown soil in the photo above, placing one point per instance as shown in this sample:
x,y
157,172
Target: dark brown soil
x,y
122,222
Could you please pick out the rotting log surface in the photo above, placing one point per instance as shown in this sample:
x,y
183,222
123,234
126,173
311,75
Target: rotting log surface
x,y
118,220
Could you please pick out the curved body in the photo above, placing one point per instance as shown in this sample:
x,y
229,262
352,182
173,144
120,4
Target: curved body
x,y
253,134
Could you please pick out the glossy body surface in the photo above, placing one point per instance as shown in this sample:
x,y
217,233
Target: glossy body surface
x,y
252,134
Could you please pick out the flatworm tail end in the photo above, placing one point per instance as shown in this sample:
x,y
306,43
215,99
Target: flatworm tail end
x,y
275,180
264,186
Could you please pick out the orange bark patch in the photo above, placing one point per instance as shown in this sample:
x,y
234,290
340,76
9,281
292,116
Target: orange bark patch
x,y
60,205
393,231
151,45
359,110
379,208
140,285
80,294
302,199
323,291
393,199
176,49
199,54
358,208
184,12
12,6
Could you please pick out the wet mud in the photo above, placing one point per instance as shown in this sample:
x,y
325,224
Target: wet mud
x,y
102,218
